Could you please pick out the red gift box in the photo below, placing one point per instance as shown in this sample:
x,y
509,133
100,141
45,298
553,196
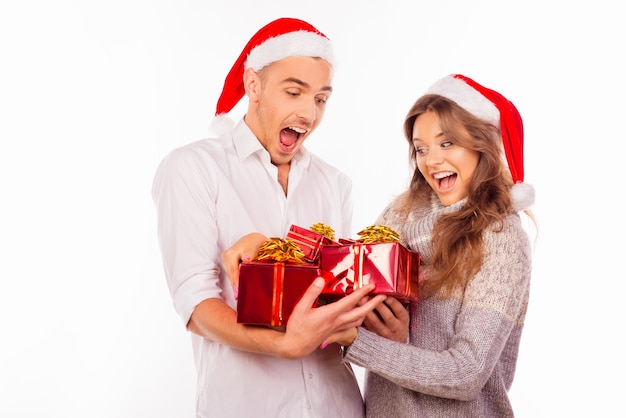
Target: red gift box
x,y
268,292
308,241
389,265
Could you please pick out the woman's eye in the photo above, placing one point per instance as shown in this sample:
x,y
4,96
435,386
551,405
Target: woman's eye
x,y
446,144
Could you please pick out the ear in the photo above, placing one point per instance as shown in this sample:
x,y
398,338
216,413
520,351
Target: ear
x,y
251,84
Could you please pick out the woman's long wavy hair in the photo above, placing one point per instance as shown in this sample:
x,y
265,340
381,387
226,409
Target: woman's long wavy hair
x,y
457,237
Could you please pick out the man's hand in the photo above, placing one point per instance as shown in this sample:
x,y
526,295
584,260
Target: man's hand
x,y
309,328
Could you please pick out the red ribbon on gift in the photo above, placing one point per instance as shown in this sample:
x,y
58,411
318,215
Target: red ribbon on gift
x,y
277,305
358,266
310,243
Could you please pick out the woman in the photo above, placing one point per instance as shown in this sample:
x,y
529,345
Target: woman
x,y
460,213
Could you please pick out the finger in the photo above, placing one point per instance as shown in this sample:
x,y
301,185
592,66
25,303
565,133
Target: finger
x,y
231,265
364,299
357,296
310,295
384,311
234,276
355,316
372,304
345,337
253,241
352,303
397,308
373,320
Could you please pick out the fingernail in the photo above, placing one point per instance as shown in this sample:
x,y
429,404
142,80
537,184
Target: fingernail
x,y
319,282
324,344
236,291
246,258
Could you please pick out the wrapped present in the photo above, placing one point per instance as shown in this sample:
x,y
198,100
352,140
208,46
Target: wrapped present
x,y
272,284
376,257
310,240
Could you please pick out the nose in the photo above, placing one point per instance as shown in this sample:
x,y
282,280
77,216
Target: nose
x,y
307,110
434,157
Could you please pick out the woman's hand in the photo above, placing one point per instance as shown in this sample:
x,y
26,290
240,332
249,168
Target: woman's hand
x,y
242,251
389,319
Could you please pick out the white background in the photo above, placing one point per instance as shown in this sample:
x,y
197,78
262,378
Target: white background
x,y
94,93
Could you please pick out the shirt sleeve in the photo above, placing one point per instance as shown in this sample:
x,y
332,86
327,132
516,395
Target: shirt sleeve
x,y
184,190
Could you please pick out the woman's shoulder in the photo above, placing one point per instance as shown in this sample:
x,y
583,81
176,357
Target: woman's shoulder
x,y
509,236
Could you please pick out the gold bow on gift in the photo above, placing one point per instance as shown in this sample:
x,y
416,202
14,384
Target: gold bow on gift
x,y
378,233
323,229
281,251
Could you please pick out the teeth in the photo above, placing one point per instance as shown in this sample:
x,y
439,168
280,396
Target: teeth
x,y
298,130
443,174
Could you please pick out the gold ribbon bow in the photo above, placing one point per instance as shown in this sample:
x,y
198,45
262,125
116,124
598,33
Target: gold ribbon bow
x,y
323,229
281,251
378,233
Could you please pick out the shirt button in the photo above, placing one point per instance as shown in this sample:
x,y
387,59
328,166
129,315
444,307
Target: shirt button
x,y
310,375
308,405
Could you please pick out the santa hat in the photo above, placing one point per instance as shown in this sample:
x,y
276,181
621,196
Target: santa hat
x,y
282,38
492,106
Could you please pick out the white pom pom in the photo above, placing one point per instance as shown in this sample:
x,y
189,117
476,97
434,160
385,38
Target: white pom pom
x,y
522,196
221,124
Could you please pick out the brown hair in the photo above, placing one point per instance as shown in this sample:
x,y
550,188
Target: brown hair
x,y
457,237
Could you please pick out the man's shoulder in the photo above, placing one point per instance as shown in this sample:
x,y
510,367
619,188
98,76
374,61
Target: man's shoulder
x,y
205,146
326,166
197,154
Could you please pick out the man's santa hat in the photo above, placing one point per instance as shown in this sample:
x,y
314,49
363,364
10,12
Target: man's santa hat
x,y
282,38
492,106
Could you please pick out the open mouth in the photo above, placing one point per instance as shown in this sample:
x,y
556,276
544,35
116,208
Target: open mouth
x,y
289,137
445,181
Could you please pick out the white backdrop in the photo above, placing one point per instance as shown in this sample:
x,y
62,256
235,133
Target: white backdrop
x,y
94,93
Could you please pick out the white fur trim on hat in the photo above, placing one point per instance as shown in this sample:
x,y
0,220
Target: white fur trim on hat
x,y
293,44
522,196
467,97
221,124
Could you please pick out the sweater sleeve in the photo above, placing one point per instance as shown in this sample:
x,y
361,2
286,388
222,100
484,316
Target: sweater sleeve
x,y
462,337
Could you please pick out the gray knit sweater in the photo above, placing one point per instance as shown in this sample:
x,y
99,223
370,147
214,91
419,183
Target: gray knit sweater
x,y
461,354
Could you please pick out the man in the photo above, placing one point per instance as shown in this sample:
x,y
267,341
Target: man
x,y
257,176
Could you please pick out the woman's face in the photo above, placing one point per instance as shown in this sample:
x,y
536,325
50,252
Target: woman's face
x,y
447,167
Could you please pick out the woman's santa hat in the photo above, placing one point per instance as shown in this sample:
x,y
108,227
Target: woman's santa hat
x,y
492,106
282,38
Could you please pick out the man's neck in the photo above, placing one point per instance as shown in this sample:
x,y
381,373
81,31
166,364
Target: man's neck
x,y
283,176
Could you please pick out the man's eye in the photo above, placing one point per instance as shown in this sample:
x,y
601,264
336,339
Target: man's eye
x,y
321,100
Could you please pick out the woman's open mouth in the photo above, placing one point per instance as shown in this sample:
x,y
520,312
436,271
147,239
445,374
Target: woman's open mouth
x,y
445,181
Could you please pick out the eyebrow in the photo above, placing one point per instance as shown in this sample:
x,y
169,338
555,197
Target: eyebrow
x,y
305,84
438,136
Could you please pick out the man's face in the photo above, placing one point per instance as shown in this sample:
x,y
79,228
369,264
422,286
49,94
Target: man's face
x,y
288,103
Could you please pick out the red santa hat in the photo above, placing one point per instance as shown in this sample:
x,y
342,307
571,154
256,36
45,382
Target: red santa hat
x,y
282,38
490,105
